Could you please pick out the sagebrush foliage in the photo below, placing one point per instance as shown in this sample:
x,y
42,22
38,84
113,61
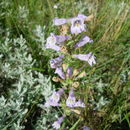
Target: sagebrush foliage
x,y
26,88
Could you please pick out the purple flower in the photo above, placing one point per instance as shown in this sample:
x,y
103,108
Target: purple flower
x,y
69,72
52,38
61,38
60,72
86,128
55,98
57,124
82,42
77,26
54,63
70,102
82,16
86,57
51,42
59,21
79,103
55,41
91,60
52,46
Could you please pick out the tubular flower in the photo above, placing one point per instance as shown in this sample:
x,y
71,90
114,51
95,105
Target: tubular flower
x,y
86,57
79,103
60,72
69,72
57,124
86,128
82,16
51,43
84,41
55,98
55,41
71,100
61,39
77,24
59,21
54,63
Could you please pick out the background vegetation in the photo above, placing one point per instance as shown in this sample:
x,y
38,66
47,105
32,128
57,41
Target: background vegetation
x,y
25,74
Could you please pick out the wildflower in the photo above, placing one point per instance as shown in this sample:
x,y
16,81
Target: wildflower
x,y
91,60
51,43
86,128
85,40
60,72
55,6
69,72
57,124
82,16
54,63
70,102
77,24
55,41
79,103
86,57
59,21
62,38
53,46
55,98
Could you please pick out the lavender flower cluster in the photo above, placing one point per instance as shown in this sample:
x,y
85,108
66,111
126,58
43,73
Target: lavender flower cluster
x,y
56,43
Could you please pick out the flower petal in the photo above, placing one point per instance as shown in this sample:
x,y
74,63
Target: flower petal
x,y
60,72
86,57
54,63
82,16
84,41
59,21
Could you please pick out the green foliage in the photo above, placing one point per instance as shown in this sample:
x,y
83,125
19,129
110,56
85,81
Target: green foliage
x,y
28,88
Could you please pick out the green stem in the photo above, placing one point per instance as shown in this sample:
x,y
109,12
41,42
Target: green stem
x,y
76,123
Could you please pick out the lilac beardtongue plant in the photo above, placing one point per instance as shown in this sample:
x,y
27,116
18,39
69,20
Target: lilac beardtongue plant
x,y
69,65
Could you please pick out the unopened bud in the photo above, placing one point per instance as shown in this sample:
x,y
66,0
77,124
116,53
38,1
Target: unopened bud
x,y
83,74
64,66
64,29
56,79
76,111
76,72
75,84
64,49
89,18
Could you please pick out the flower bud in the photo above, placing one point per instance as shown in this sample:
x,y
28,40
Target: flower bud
x,y
64,49
76,72
83,74
56,79
89,18
64,29
76,111
75,84
64,66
